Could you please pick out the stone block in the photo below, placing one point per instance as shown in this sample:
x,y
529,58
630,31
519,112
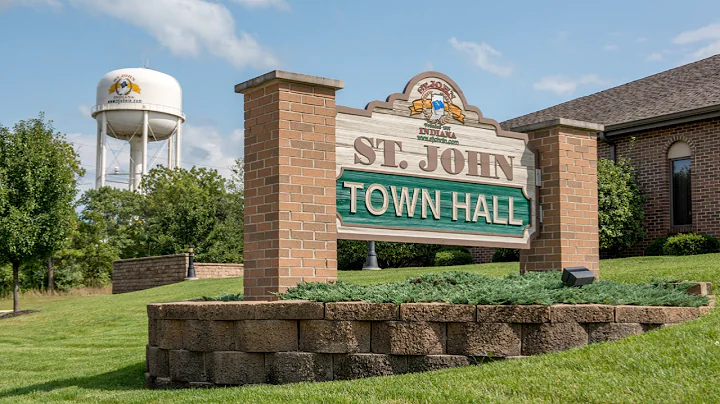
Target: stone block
x,y
187,366
153,309
235,368
295,367
513,314
654,314
228,311
152,332
701,288
484,339
158,362
327,336
170,334
601,332
356,366
408,338
362,311
178,311
702,310
436,362
208,336
438,312
551,337
267,335
289,310
582,313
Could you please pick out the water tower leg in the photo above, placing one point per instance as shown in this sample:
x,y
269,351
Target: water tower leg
x,y
171,148
144,147
178,134
136,158
101,153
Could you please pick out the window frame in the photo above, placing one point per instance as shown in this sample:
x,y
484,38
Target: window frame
x,y
671,162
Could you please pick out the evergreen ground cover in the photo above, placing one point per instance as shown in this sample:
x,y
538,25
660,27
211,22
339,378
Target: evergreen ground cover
x,y
92,349
468,288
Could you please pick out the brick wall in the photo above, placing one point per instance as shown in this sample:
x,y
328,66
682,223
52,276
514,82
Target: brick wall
x,y
203,344
290,230
482,255
135,274
648,154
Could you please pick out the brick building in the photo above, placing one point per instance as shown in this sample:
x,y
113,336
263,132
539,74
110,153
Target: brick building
x,y
668,124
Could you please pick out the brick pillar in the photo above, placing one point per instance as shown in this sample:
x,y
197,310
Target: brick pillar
x,y
568,235
290,230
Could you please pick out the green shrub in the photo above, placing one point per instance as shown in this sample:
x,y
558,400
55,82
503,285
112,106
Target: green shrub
x,y
466,288
506,255
351,254
656,247
448,257
620,205
691,244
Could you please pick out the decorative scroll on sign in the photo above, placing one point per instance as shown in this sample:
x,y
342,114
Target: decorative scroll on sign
x,y
424,167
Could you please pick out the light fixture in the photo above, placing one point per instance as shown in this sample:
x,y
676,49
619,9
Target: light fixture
x,y
577,276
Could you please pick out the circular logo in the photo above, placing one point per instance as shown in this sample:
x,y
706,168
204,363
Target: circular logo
x,y
123,86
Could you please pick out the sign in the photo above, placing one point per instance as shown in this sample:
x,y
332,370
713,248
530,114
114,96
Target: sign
x,y
425,167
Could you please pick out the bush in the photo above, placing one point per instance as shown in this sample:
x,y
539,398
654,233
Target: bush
x,y
457,256
691,244
656,247
351,254
620,205
506,255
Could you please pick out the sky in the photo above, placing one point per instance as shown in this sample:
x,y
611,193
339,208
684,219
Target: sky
x,y
509,58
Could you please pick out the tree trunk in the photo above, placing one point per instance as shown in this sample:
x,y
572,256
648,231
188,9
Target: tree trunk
x,y
16,286
51,276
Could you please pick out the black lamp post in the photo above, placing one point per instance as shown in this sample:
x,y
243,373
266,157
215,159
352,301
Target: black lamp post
x,y
371,263
191,265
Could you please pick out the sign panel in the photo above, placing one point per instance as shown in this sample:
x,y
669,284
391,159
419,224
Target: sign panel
x,y
424,167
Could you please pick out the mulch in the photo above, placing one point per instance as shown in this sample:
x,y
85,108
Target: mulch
x,y
18,313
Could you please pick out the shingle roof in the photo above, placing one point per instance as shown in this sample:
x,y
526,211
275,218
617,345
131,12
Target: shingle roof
x,y
688,87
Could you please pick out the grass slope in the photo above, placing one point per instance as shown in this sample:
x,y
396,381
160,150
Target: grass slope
x,y
92,349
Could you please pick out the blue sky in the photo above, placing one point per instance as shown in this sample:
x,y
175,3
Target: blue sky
x,y
509,58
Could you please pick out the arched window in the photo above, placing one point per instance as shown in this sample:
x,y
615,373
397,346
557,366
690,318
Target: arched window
x,y
680,187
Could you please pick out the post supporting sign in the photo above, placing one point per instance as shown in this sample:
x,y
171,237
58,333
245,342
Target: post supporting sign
x,y
425,167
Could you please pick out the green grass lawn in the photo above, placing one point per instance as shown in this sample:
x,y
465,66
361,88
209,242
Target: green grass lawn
x,y
92,349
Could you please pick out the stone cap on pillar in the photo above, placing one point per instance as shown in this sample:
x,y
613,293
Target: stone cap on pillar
x,y
291,77
568,123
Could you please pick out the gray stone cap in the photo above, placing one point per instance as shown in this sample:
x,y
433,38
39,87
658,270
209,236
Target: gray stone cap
x,y
571,123
289,76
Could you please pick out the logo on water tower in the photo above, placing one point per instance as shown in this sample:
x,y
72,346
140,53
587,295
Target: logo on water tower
x,y
124,86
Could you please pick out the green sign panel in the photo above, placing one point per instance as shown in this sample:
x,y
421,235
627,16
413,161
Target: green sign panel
x,y
371,199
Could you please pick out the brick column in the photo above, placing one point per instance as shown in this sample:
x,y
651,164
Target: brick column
x,y
568,235
290,231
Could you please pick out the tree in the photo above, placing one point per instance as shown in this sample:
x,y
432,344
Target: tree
x,y
184,207
38,178
620,205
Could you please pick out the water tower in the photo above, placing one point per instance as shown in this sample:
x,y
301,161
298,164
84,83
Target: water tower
x,y
138,105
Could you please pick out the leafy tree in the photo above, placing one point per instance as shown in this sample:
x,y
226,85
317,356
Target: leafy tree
x,y
183,207
620,205
38,178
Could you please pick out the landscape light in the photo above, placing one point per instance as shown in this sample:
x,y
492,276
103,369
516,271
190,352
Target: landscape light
x,y
191,264
577,276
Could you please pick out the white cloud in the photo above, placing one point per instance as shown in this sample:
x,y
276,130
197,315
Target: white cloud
x,y
564,85
709,35
278,4
187,28
610,48
484,56
654,57
641,39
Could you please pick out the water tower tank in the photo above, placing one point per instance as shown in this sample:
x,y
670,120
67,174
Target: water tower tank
x,y
138,105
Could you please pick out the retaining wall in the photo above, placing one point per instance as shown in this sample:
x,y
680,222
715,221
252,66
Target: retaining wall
x,y
195,344
135,274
